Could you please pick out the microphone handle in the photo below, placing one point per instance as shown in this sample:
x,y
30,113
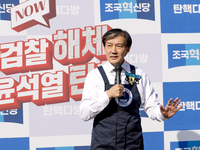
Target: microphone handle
x,y
118,70
118,77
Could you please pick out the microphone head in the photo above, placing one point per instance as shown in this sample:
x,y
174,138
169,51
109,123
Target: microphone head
x,y
118,67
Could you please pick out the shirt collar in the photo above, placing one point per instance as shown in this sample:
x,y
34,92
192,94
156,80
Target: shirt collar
x,y
109,67
126,66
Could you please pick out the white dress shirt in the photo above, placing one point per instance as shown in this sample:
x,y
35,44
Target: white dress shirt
x,y
95,99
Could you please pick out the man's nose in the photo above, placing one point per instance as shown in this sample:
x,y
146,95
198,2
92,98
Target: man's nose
x,y
114,49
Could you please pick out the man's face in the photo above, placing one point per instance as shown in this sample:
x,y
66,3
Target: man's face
x,y
116,50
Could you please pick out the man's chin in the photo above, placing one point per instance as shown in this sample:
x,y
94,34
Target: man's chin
x,y
114,62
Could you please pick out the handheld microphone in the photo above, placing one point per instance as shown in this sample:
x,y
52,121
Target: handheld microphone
x,y
118,70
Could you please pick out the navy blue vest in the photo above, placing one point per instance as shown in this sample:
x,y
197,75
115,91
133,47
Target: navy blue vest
x,y
129,131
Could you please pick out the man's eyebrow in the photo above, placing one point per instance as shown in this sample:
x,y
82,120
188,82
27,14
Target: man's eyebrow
x,y
116,44
120,43
108,43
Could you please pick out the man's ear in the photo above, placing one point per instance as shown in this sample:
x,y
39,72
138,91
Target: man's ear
x,y
128,50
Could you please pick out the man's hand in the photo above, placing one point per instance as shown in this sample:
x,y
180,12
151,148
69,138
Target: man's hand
x,y
171,108
115,91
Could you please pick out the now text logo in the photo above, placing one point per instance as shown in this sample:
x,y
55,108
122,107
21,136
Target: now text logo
x,y
32,12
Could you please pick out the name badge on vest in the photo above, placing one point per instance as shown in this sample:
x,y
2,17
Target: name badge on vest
x,y
132,78
125,100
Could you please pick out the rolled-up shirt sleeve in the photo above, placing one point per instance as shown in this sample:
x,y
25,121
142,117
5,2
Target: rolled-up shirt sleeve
x,y
94,98
149,99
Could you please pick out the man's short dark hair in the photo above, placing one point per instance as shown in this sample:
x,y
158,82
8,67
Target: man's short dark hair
x,y
116,32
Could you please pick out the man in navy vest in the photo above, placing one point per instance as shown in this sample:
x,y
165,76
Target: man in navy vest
x,y
115,107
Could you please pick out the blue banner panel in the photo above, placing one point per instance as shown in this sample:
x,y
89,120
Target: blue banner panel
x,y
143,113
1,117
5,6
14,144
150,138
82,148
183,55
148,14
185,145
188,117
180,16
50,148
64,148
127,9
14,115
174,56
107,12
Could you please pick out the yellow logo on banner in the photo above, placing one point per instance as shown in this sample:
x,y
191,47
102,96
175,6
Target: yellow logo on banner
x,y
131,80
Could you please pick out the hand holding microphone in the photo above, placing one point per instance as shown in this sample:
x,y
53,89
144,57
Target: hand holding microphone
x,y
117,90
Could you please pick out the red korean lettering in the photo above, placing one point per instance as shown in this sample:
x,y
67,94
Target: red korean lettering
x,y
12,57
93,47
28,89
97,41
77,78
60,51
7,94
67,46
76,46
54,87
38,55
